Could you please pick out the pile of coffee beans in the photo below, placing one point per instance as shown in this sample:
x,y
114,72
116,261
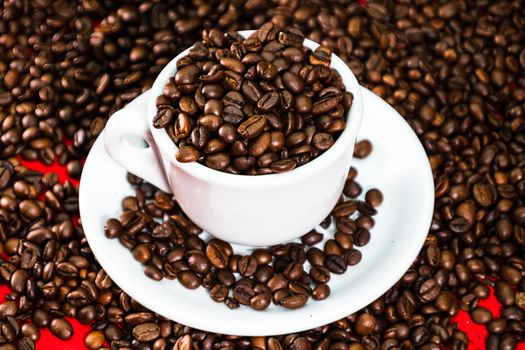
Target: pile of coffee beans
x,y
454,69
287,274
261,105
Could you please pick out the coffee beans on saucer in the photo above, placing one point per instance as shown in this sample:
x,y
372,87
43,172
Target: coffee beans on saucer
x,y
287,275
258,105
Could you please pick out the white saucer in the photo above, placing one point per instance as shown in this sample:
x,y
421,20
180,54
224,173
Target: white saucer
x,y
398,166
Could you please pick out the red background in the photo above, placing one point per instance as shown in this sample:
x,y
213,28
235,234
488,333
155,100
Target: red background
x,y
476,333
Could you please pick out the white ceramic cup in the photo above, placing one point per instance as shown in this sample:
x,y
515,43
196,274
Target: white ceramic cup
x,y
245,209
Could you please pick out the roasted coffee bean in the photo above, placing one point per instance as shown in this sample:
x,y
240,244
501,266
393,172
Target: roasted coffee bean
x,y
260,301
361,237
280,166
252,127
189,279
322,141
319,274
312,238
6,174
219,293
481,315
294,301
365,324
186,78
374,197
266,70
163,117
321,292
187,154
146,332
233,64
61,328
142,253
331,247
153,272
293,82
335,264
362,149
30,331
243,293
218,253
268,101
95,340
233,115
247,266
198,263
352,256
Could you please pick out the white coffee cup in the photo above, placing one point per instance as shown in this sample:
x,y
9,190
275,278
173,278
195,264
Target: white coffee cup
x,y
245,209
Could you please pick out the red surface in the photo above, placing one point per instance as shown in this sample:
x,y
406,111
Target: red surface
x,y
476,333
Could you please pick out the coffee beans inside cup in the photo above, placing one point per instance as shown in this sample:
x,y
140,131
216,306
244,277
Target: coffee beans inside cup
x,y
258,105
287,275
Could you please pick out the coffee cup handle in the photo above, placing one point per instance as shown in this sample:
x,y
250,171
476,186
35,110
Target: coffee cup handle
x,y
141,161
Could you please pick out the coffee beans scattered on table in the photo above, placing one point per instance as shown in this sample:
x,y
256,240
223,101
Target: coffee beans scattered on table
x,y
287,275
454,69
261,105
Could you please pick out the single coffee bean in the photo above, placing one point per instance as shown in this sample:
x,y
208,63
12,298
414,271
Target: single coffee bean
x,y
303,104
95,340
232,114
361,237
280,166
481,315
268,101
320,274
218,253
217,161
6,173
243,293
335,264
294,301
252,127
365,324
321,292
322,141
293,82
219,293
198,263
187,154
153,272
142,253
259,145
26,343
146,332
30,331
189,279
233,64
352,257
312,238
362,149
374,197
260,301
183,125
163,117
61,328
247,266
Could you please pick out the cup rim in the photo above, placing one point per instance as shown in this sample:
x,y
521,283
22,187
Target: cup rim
x,y
344,142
